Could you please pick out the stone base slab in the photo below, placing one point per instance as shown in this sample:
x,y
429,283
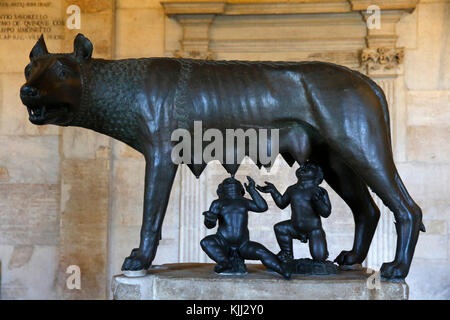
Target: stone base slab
x,y
197,281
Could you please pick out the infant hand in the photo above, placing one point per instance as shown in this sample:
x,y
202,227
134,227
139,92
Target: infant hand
x,y
319,194
250,185
269,187
209,215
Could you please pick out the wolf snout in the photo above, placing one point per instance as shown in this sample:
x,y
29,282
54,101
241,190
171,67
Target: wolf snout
x,y
28,92
28,95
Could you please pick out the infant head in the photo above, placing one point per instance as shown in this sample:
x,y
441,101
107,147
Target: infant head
x,y
230,188
310,172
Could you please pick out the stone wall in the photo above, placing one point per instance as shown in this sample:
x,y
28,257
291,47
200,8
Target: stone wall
x,y
74,197
29,170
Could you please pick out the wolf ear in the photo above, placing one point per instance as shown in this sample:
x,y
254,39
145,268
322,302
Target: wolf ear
x,y
39,48
82,47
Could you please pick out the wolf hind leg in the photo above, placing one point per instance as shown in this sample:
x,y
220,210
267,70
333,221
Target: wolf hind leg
x,y
353,190
373,162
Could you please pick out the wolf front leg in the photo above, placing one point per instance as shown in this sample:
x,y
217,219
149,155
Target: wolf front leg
x,y
159,175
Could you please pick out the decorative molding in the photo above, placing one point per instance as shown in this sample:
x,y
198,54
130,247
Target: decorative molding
x,y
286,45
382,59
195,41
260,8
231,7
194,54
196,19
188,7
286,20
407,5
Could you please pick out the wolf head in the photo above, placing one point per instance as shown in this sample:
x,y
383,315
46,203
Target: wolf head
x,y
53,88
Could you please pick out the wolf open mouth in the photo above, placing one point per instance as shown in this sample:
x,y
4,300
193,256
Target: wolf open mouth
x,y
40,114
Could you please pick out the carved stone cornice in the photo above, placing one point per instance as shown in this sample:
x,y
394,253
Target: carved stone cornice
x,y
245,7
406,5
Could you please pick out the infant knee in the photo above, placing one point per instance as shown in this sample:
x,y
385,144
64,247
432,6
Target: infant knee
x,y
207,241
281,228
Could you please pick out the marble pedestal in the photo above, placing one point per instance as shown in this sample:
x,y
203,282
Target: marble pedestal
x,y
198,281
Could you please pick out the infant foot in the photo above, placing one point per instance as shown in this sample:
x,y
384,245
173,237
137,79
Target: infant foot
x,y
285,256
222,268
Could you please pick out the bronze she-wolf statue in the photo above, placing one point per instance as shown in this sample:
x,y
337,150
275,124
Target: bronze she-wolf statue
x,y
325,113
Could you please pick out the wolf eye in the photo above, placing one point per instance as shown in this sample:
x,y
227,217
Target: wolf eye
x,y
60,70
62,74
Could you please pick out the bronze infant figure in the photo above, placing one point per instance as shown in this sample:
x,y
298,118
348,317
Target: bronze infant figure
x,y
329,114
308,203
231,243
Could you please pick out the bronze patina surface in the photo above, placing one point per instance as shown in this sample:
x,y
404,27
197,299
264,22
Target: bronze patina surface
x,y
327,114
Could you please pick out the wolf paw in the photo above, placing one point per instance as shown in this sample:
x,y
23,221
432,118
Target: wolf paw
x,y
394,270
348,258
136,261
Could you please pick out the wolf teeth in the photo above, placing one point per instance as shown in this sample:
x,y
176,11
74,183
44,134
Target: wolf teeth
x,y
36,112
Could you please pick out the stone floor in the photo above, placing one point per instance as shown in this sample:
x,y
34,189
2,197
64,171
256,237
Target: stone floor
x,y
199,282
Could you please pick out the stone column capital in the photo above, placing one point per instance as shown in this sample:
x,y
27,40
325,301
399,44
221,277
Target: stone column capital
x,y
382,61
